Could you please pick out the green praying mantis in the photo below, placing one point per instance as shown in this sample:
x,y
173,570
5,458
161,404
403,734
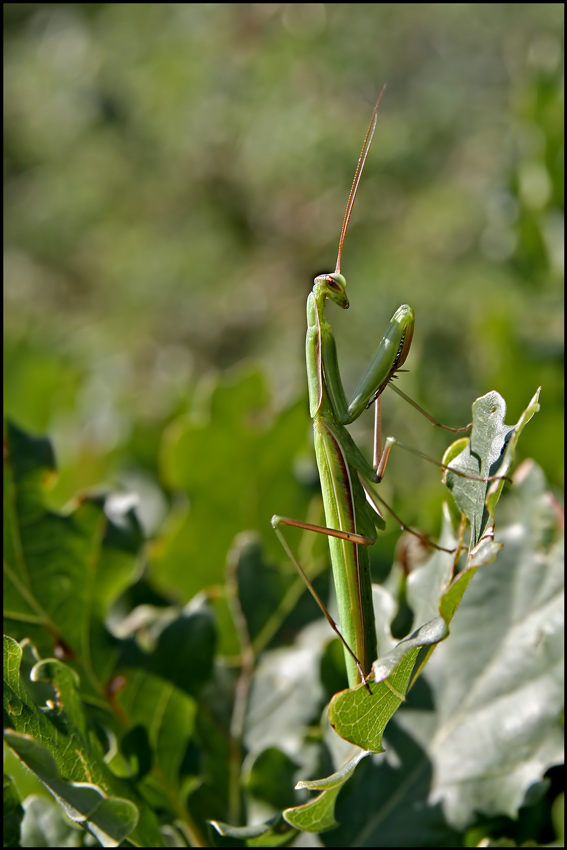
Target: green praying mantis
x,y
352,515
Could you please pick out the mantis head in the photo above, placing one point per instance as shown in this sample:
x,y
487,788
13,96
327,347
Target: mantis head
x,y
332,286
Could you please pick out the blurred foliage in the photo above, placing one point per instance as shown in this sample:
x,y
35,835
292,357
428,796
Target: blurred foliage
x,y
147,721
176,174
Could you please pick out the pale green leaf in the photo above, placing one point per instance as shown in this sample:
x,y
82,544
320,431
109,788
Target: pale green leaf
x,y
318,815
489,452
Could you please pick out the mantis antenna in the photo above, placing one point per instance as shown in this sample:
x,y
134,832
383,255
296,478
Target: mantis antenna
x,y
357,175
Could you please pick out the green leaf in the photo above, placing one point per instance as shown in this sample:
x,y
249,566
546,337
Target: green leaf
x,y
274,833
427,635
262,588
269,600
61,572
231,458
361,717
13,814
52,741
270,778
212,761
168,715
558,818
489,452
135,746
318,815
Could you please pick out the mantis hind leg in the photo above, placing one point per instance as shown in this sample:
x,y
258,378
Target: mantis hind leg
x,y
358,539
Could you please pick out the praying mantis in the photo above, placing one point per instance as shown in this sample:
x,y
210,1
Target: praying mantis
x,y
351,513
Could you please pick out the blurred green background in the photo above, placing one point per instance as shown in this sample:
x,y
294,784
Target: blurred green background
x,y
176,175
